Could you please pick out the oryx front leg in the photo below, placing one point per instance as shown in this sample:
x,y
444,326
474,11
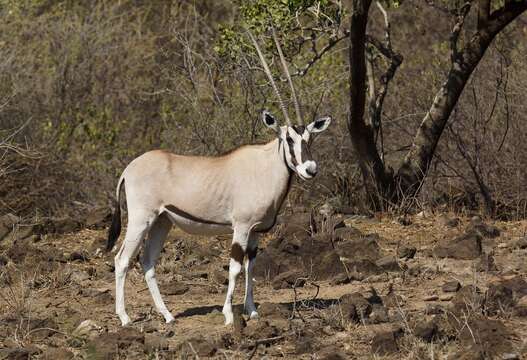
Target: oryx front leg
x,y
252,248
137,228
153,248
238,248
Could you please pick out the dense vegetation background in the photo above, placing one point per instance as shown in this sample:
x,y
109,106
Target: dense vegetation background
x,y
87,86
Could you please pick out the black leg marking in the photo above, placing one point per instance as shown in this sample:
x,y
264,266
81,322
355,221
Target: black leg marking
x,y
237,253
251,253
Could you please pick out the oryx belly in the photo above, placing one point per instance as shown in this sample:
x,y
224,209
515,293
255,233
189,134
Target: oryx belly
x,y
195,225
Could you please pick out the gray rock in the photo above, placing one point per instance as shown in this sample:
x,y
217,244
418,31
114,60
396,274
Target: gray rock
x,y
406,252
385,343
464,247
388,263
155,342
426,330
451,286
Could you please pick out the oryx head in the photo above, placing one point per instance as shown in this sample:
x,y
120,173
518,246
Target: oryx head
x,y
295,139
295,143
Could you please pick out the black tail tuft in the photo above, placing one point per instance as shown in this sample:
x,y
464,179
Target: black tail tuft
x,y
115,227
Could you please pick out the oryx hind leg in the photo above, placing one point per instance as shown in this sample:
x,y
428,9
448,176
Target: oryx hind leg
x,y
153,246
252,248
139,223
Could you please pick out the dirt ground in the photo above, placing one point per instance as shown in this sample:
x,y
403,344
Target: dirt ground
x,y
421,287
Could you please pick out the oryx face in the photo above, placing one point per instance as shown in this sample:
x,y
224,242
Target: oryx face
x,y
296,142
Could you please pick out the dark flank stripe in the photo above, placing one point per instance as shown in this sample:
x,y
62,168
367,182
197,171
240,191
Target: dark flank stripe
x,y
237,253
191,217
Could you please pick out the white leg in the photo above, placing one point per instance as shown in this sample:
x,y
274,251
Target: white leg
x,y
239,245
136,231
252,248
153,248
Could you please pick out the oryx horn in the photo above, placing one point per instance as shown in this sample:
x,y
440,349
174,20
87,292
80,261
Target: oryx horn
x,y
298,109
270,77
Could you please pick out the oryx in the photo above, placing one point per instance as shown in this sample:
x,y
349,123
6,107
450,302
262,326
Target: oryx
x,y
239,193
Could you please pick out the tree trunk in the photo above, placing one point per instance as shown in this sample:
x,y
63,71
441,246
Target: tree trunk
x,y
415,166
376,179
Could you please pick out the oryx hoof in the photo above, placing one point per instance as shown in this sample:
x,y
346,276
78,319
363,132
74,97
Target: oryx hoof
x,y
170,319
125,320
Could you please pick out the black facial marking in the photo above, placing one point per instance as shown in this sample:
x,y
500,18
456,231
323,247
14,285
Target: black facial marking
x,y
305,154
299,129
319,124
291,146
237,253
269,120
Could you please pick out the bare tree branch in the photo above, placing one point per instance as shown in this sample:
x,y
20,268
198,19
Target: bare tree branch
x,y
454,36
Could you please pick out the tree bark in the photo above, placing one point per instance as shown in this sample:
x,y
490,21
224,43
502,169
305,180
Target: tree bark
x,y
415,165
376,179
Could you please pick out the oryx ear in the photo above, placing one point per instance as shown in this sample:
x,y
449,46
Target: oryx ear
x,y
269,120
319,124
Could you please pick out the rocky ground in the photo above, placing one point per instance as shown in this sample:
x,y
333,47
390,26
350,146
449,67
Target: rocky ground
x,y
335,287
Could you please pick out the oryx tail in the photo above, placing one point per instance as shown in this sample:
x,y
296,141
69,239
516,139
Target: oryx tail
x,y
115,227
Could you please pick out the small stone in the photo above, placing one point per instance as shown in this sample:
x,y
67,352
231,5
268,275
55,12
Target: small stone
x,y
174,288
521,243
155,342
201,345
260,330
433,309
510,356
448,222
267,309
340,279
87,328
289,279
406,252
57,354
346,233
304,345
384,343
79,276
498,299
432,297
521,307
404,220
388,263
379,315
451,286
485,230
78,256
98,218
423,214
464,247
371,296
354,307
486,263
503,245
446,297
331,353
220,277
426,330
